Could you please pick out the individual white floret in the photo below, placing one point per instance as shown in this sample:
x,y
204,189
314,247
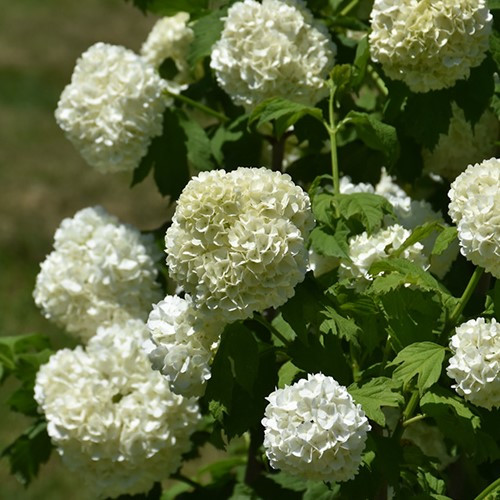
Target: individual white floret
x,y
112,108
272,49
365,250
429,44
237,240
475,209
314,430
475,364
170,38
113,419
100,272
462,145
183,342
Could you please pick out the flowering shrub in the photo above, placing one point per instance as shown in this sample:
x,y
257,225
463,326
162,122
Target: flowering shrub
x,y
324,330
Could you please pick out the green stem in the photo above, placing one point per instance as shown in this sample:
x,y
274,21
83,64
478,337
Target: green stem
x,y
464,299
377,80
184,479
332,131
270,327
348,8
414,419
407,414
385,355
354,363
494,486
197,105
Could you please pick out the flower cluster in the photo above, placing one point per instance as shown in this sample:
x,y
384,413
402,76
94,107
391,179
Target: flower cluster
x,y
272,49
364,250
429,44
170,38
112,418
112,108
461,145
183,342
100,272
475,208
236,242
475,364
313,429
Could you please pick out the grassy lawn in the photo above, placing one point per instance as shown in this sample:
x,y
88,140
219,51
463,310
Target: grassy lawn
x,y
43,179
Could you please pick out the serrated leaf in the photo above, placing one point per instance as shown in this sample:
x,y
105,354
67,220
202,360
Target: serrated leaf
x,y
340,77
287,111
283,328
418,234
287,374
222,136
338,325
444,240
375,134
322,206
31,449
197,144
207,30
421,359
373,395
368,208
329,242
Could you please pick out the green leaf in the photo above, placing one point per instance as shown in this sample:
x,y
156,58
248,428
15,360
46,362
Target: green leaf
x,y
331,243
286,111
222,136
361,60
198,144
340,76
368,208
31,449
423,359
207,30
444,240
323,206
373,395
289,482
338,325
418,234
375,134
287,374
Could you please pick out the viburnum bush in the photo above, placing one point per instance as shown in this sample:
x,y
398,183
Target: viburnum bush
x,y
324,302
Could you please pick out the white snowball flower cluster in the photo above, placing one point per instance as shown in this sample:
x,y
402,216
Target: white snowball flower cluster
x,y
183,342
112,108
272,49
113,419
170,38
365,250
313,429
475,209
461,145
475,364
429,44
100,272
236,243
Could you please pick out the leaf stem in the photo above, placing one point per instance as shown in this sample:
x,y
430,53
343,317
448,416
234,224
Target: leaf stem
x,y
464,299
348,8
414,419
377,80
209,111
260,319
332,132
185,479
494,486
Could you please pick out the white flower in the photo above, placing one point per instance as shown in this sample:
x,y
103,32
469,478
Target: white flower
x,y
114,420
313,429
364,250
475,364
100,272
272,49
236,243
112,108
461,145
429,44
475,209
183,342
170,38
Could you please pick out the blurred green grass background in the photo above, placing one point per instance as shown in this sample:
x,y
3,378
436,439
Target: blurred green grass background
x,y
43,179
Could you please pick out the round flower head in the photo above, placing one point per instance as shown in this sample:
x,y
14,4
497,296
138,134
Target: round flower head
x,y
182,344
112,108
112,418
364,250
272,49
314,430
170,38
100,272
236,242
475,364
429,44
475,209
462,146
